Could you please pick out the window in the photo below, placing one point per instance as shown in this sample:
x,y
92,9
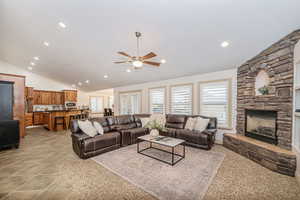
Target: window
x,y
157,100
96,104
215,101
130,103
110,101
182,99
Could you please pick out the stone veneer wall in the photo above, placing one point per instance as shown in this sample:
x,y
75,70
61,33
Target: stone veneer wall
x,y
277,61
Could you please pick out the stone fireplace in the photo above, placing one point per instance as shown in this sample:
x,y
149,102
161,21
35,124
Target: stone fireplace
x,y
262,125
265,107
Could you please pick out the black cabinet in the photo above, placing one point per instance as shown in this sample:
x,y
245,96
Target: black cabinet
x,y
9,133
6,100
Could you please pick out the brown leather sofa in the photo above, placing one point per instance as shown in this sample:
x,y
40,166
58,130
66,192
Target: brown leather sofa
x,y
125,129
175,128
118,131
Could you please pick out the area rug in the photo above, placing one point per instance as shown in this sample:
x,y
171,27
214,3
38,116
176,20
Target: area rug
x,y
189,179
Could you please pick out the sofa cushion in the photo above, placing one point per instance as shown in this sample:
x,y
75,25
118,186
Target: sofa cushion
x,y
195,137
98,127
175,121
170,132
101,141
125,119
201,124
103,122
87,127
190,123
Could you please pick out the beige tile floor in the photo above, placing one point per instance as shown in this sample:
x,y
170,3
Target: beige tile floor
x,y
45,167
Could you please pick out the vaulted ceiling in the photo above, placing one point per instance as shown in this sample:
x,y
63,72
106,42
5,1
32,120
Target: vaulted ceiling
x,y
186,33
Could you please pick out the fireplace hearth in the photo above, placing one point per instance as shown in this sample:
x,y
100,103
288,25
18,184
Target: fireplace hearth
x,y
262,125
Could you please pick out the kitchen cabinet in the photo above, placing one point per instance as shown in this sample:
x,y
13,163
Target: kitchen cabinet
x,y
56,98
38,118
70,95
37,99
29,92
41,97
28,119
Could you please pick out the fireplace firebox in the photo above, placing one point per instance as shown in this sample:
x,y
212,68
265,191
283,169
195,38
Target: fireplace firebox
x,y
262,125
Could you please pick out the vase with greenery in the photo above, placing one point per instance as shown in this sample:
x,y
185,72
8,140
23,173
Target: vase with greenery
x,y
155,127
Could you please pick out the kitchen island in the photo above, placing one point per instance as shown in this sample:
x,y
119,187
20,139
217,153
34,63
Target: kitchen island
x,y
47,118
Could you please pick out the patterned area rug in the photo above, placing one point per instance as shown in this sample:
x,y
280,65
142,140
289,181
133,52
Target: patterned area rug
x,y
189,179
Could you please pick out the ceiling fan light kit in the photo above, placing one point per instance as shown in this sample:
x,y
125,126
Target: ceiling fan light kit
x,y
138,61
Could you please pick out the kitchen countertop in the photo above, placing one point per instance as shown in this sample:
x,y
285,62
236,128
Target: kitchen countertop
x,y
65,110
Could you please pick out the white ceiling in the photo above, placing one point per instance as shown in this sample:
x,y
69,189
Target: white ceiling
x,y
187,33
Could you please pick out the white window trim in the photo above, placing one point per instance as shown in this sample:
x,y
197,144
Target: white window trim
x,y
165,98
102,104
229,100
192,96
130,92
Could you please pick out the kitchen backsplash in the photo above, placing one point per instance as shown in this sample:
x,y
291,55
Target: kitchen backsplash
x,y
48,107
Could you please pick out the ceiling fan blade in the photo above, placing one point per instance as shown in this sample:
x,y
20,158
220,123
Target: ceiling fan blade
x,y
152,63
124,54
119,62
148,56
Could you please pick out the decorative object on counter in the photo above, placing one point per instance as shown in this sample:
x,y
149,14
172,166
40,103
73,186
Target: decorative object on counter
x,y
263,90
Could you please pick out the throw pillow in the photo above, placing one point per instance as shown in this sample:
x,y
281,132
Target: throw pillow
x,y
144,121
190,123
87,127
98,128
201,124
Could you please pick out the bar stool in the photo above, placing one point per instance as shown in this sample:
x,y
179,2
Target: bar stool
x,y
71,117
59,120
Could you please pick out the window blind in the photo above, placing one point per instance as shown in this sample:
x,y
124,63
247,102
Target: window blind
x,y
214,101
130,103
157,100
181,99
96,104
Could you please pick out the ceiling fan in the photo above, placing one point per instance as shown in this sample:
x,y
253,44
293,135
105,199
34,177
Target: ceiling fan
x,y
138,61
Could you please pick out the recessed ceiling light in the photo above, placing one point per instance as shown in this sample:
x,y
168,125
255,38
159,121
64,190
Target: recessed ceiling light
x,y
128,70
36,58
105,76
46,44
30,68
62,25
163,61
225,44
87,81
32,64
79,83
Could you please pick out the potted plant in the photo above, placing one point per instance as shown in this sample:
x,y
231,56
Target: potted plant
x,y
264,90
155,127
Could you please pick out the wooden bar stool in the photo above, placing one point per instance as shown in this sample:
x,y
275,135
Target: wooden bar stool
x,y
59,120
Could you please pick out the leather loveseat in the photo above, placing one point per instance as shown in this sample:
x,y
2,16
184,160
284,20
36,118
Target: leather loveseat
x,y
175,128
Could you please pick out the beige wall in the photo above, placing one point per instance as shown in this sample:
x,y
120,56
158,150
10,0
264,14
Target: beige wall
x,y
227,74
